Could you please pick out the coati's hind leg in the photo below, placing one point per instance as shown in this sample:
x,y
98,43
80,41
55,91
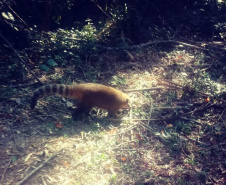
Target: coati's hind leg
x,y
81,110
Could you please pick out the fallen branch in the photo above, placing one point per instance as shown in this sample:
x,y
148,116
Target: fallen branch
x,y
36,169
144,89
154,42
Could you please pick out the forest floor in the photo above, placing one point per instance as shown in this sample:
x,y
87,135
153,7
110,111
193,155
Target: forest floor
x,y
174,132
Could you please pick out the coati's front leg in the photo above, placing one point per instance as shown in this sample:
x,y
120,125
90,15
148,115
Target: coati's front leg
x,y
112,111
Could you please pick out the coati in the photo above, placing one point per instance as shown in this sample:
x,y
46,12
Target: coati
x,y
88,95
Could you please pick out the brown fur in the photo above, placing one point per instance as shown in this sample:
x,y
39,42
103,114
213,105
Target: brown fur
x,y
88,95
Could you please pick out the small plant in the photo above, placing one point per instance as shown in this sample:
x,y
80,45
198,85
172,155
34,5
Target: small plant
x,y
190,160
64,46
174,144
116,81
183,127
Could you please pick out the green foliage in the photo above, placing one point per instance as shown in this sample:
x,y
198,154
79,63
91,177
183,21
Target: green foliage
x,y
91,75
8,92
14,159
183,127
182,181
116,81
202,81
11,69
44,68
66,46
191,160
49,128
113,179
51,63
139,112
173,142
88,32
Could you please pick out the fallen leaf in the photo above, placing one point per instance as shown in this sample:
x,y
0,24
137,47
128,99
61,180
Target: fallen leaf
x,y
65,163
59,125
169,126
207,99
138,137
28,156
111,132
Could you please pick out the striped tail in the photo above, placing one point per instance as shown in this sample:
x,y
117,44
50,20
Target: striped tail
x,y
63,90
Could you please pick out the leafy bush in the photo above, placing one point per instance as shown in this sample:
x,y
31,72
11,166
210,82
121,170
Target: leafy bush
x,y
65,46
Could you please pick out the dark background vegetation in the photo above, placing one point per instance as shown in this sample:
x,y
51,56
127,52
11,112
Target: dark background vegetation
x,y
117,23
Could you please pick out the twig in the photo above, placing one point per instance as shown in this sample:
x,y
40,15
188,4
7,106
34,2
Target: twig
x,y
36,169
191,120
19,86
153,42
103,10
170,82
79,162
144,89
7,167
18,16
174,107
43,181
190,45
41,116
10,45
127,149
222,114
76,163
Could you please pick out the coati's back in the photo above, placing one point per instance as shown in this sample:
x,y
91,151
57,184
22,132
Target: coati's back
x,y
88,95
